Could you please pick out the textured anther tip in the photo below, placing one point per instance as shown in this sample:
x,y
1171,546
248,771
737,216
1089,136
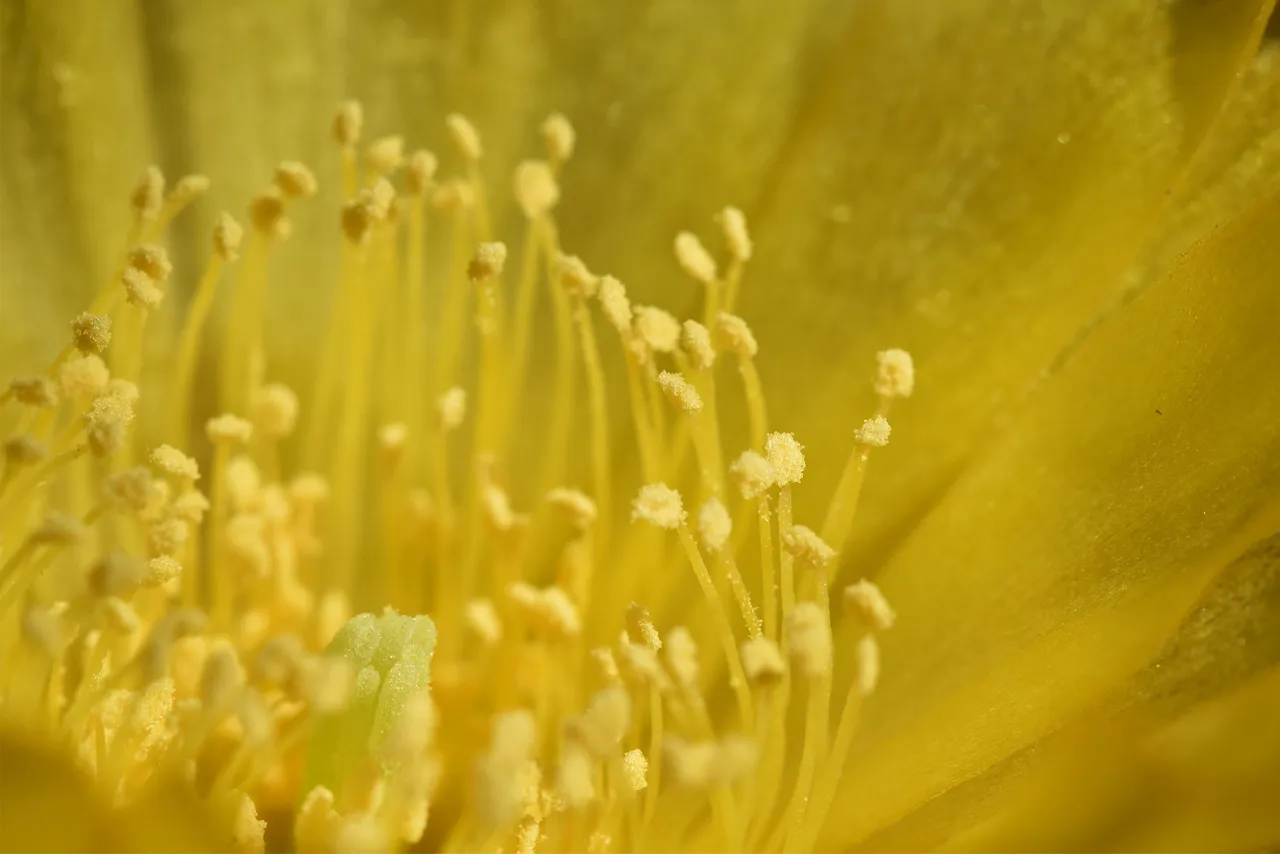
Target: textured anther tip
x,y
752,475
227,236
607,719
574,276
576,506
188,189
895,373
535,188
607,664
172,461
140,290
148,194
867,662
348,122
575,785
488,261
657,328
161,570
641,624
151,260
865,602
464,136
695,339
116,574
681,654
874,432
714,525
454,195
38,391
295,180
733,224
810,639
694,258
635,770
381,200
559,136
24,450
420,172
807,547
356,219
132,489
451,408
734,335
229,428
658,504
85,377
269,215
762,662
275,410
615,304
91,333
680,392
385,155
785,456
692,763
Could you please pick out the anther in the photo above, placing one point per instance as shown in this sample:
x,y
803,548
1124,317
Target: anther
x,y
464,136
681,655
605,723
762,662
482,618
642,626
269,215
132,489
59,530
694,258
559,136
174,462
693,764
714,525
865,602
488,262
615,305
229,429
733,224
295,180
275,410
161,570
116,574
810,639
227,235
37,391
453,195
895,373
420,172
733,334
356,219
695,339
574,783
786,457
659,505
680,392
635,769
91,333
874,432
535,188
807,547
151,260
574,276
608,665
42,631
140,290
348,123
577,507
451,408
24,450
657,328
188,189
148,194
385,155
86,377
752,475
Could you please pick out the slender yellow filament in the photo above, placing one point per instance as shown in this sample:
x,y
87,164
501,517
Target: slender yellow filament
x,y
824,789
563,397
654,755
844,503
786,562
733,280
412,336
220,592
815,736
453,319
522,318
242,342
750,619
769,592
184,367
757,417
600,462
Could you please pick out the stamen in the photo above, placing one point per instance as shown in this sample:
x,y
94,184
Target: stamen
x,y
559,136
295,181
867,604
733,224
714,527
762,662
385,155
733,334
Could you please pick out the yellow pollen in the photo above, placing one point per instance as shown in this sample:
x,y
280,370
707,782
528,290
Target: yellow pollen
x,y
714,525
488,262
873,433
694,258
786,458
635,769
385,155
639,622
752,475
762,662
140,290
465,137
680,392
151,260
482,618
451,408
868,665
578,508
574,276
659,505
227,235
865,601
535,188
188,189
35,391
229,428
695,339
733,223
348,123
86,377
681,654
269,215
275,410
895,373
615,305
807,547
91,333
172,461
810,640
657,328
148,194
559,136
733,334
295,180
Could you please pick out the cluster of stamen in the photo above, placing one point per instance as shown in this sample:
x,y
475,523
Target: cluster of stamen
x,y
183,611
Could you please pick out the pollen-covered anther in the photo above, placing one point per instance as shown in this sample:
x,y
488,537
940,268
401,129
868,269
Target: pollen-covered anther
x,y
785,456
657,328
733,224
635,770
577,507
381,200
762,662
642,661
752,475
108,419
810,639
864,601
615,305
694,258
161,569
575,785
188,189
464,136
692,763
658,504
535,188
736,757
454,195
895,373
420,172
867,663
269,215
174,462
695,340
295,180
91,333
605,723
151,260
874,432
133,489
148,194
37,391
140,290
714,525
227,236
559,136
275,410
348,122
640,624
356,219
116,574
229,428
734,335
487,262
681,654
575,278
807,547
385,155
451,408
680,392
86,377
482,618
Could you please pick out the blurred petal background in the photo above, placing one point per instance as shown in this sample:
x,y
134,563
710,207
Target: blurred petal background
x,y
1009,190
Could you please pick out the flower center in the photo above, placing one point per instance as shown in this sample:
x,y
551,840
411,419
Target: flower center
x,y
192,620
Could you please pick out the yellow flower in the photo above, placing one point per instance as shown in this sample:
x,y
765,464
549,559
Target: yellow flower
x,y
386,378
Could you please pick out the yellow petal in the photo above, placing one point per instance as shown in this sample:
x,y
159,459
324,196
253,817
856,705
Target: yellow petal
x,y
969,182
1075,544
